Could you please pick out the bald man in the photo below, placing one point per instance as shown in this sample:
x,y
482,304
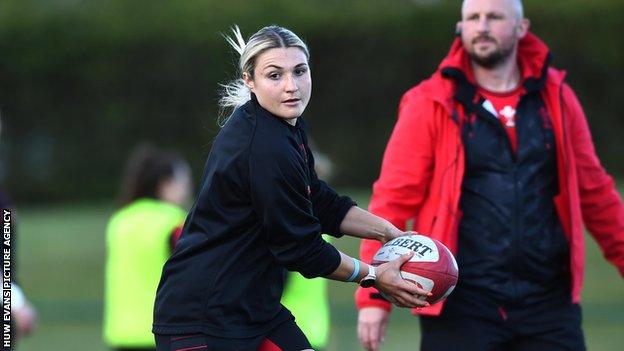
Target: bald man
x,y
492,156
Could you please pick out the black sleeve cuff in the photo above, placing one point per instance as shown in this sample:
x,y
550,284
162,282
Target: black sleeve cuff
x,y
326,261
332,226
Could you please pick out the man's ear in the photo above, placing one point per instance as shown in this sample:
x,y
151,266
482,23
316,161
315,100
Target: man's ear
x,y
248,81
523,27
458,29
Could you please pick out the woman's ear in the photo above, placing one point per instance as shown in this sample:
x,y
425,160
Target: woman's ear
x,y
248,81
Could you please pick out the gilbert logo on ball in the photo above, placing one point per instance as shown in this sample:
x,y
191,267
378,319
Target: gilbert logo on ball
x,y
433,267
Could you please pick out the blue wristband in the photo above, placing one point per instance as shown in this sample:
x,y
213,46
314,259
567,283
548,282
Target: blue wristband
x,y
356,270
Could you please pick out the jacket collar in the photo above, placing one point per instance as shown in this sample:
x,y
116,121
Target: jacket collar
x,y
533,57
457,80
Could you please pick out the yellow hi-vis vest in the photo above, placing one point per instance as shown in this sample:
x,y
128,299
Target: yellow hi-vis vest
x,y
307,300
137,246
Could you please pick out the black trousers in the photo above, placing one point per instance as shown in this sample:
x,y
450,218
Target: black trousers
x,y
544,328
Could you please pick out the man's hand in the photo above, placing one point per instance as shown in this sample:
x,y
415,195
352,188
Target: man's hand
x,y
371,328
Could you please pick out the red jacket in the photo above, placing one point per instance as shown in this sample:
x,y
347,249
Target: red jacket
x,y
423,167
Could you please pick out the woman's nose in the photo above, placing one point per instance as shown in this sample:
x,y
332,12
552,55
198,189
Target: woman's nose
x,y
290,84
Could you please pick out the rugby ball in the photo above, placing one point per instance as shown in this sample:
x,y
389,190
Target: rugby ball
x,y
433,267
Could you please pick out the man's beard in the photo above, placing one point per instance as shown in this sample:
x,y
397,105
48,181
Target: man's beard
x,y
493,59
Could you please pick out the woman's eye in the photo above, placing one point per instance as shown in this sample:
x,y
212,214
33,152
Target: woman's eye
x,y
300,71
274,76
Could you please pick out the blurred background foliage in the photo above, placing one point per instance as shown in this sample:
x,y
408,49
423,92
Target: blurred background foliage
x,y
81,82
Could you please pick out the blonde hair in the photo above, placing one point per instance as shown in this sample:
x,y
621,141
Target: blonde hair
x,y
236,93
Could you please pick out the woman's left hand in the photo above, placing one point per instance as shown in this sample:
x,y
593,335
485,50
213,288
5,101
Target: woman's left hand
x,y
393,232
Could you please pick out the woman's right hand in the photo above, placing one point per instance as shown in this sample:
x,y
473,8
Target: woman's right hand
x,y
396,289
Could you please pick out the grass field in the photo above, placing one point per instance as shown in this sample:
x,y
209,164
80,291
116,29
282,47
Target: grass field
x,y
61,255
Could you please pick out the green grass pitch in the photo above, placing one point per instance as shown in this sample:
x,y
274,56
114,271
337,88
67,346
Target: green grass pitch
x,y
61,253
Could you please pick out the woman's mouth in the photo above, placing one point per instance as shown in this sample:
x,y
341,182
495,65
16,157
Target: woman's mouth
x,y
291,101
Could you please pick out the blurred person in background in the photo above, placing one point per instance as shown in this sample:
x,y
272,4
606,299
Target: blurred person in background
x,y
140,236
493,156
23,313
261,208
307,298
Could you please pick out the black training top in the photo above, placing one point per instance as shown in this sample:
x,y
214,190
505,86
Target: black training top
x,y
260,208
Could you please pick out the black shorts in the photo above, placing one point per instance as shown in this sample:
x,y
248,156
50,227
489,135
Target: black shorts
x,y
285,337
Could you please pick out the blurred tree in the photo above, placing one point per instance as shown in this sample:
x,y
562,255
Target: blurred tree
x,y
80,82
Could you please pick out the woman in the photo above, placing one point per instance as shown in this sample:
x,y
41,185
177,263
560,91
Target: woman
x,y
261,209
139,239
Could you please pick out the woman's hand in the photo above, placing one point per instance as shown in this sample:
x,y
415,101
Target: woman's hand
x,y
397,290
363,224
391,233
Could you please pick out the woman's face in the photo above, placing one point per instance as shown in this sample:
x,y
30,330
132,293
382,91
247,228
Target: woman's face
x,y
281,82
